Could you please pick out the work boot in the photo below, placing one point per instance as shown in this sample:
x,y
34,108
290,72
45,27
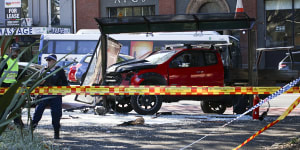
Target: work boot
x,y
56,134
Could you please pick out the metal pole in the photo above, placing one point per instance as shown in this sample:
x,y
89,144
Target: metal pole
x,y
103,57
49,15
104,66
252,66
74,19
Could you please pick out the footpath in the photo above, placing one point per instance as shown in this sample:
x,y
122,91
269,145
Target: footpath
x,y
186,125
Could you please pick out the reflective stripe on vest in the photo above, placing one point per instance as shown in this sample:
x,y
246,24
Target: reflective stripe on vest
x,y
13,73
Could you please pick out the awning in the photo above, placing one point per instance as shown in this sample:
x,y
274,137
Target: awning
x,y
176,23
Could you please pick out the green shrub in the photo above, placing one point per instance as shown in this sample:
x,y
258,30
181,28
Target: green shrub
x,y
14,99
13,139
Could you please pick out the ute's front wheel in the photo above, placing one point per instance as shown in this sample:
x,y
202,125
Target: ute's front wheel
x,y
146,104
212,107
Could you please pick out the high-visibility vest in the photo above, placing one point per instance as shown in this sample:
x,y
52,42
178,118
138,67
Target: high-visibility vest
x,y
11,76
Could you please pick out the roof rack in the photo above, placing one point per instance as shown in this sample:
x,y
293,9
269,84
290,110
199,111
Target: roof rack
x,y
189,46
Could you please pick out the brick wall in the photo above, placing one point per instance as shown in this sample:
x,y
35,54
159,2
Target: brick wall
x,y
86,12
167,7
250,8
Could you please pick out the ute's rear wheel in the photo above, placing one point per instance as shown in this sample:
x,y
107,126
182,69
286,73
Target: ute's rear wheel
x,y
146,104
212,107
122,105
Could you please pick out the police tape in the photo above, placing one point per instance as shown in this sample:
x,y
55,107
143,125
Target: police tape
x,y
154,90
282,90
288,111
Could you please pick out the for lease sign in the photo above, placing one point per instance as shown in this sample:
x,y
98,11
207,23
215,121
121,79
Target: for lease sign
x,y
12,12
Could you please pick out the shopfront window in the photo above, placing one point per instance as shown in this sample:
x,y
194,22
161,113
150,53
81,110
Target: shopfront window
x,y
131,11
279,23
24,11
55,12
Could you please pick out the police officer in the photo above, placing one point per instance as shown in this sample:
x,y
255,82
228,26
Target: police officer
x,y
11,70
12,63
55,101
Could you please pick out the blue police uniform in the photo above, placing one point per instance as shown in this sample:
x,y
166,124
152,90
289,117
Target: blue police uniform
x,y
54,101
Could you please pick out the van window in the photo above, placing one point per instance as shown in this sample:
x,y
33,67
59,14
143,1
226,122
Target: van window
x,y
85,47
50,47
65,47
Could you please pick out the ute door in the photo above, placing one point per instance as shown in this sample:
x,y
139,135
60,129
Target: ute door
x,y
197,68
187,69
214,70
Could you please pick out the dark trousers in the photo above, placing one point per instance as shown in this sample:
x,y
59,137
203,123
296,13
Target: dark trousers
x,y
55,103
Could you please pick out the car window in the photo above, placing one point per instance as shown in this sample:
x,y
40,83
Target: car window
x,y
87,59
210,58
188,59
160,57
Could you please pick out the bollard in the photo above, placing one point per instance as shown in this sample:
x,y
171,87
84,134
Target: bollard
x,y
255,113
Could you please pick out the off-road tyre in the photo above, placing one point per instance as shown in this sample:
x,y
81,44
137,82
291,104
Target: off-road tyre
x,y
122,106
212,107
146,104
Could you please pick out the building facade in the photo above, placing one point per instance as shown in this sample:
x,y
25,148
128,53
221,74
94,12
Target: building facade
x,y
276,25
114,8
32,18
86,12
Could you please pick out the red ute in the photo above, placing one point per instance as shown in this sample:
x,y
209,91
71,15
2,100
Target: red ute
x,y
189,66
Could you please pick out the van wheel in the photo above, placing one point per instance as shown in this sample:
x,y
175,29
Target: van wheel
x,y
212,107
122,106
146,104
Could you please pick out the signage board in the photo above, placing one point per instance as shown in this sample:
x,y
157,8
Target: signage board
x,y
13,16
12,3
24,31
58,30
34,30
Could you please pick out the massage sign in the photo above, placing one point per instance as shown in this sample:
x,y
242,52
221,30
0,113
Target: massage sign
x,y
13,12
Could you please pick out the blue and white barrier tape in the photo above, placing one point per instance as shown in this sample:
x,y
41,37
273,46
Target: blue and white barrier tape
x,y
272,96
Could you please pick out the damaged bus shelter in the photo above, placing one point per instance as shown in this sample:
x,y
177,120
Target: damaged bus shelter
x,y
163,23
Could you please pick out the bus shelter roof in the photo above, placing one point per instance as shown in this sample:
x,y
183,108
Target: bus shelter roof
x,y
176,23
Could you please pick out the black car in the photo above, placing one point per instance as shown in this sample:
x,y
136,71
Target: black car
x,y
33,69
